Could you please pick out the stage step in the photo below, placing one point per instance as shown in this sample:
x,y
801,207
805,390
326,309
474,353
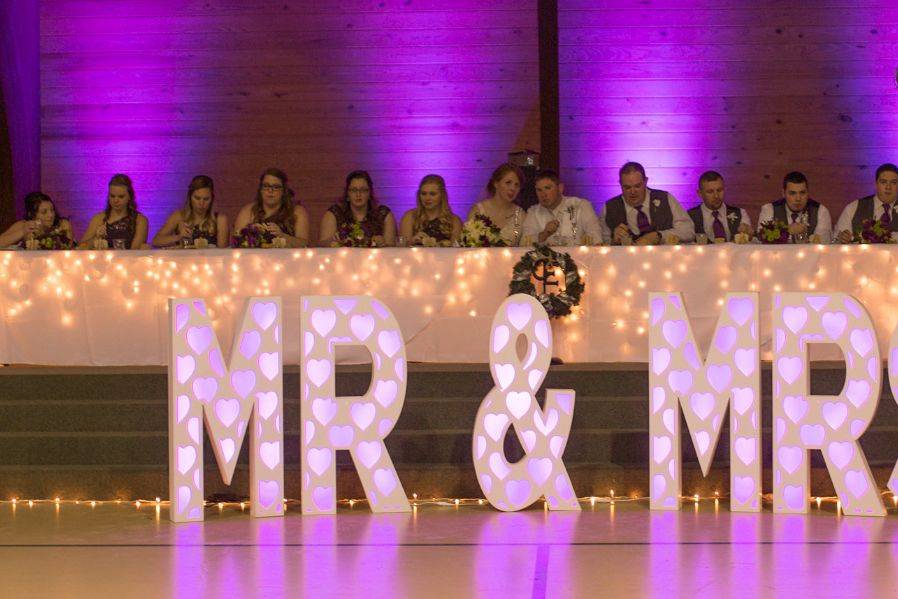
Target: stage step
x,y
102,432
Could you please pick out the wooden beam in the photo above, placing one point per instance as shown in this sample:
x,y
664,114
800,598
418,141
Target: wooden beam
x,y
548,84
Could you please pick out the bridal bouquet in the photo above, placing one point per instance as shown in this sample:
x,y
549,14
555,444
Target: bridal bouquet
x,y
481,232
773,231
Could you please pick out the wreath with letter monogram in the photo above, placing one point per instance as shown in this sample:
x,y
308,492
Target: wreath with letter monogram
x,y
542,263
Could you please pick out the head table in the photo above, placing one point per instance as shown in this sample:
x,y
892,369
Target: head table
x,y
110,308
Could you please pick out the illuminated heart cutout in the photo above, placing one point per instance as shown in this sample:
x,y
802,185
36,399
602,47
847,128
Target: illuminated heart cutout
x,y
243,382
495,425
250,343
270,453
518,403
504,374
183,407
199,339
834,324
324,409
740,309
390,342
184,367
719,376
498,466
726,339
363,414
674,332
743,398
344,305
362,325
324,498
840,453
862,341
702,404
660,360
318,371
657,306
661,447
539,469
794,496
269,492
519,314
795,318
541,332
264,313
500,338
186,458
319,460
385,392
789,368
835,413
268,403
746,449
204,389
270,364
341,436
790,458
856,481
369,453
182,314
745,361
227,411
517,491
795,407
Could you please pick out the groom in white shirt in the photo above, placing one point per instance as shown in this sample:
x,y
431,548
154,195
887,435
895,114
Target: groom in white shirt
x,y
559,219
880,206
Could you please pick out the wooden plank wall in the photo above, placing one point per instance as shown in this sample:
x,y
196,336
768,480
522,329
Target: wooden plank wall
x,y
164,90
750,88
20,110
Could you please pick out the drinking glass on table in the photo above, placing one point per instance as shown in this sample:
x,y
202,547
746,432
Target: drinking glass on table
x,y
118,244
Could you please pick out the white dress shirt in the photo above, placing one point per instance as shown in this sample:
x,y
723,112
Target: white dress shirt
x,y
708,220
682,223
824,221
844,223
576,217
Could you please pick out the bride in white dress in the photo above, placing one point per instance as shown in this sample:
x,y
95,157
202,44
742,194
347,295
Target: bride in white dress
x,y
503,187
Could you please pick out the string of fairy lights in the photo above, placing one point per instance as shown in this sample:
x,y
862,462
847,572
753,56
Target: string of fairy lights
x,y
417,501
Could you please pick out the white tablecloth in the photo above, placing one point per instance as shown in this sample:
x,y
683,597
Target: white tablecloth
x,y
110,308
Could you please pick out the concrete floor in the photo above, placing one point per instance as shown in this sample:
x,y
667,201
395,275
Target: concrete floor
x,y
442,551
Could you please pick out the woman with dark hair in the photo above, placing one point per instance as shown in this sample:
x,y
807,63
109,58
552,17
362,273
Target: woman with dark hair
x,y
41,222
196,224
120,226
503,188
431,223
273,215
357,220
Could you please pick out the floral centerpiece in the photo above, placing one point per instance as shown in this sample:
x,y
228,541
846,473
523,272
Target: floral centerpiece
x,y
481,232
352,235
773,231
51,240
872,231
253,236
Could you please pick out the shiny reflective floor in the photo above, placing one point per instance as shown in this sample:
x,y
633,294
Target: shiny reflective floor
x,y
444,551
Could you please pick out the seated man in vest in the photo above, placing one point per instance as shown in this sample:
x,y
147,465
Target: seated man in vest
x,y
642,215
808,220
713,218
559,219
876,207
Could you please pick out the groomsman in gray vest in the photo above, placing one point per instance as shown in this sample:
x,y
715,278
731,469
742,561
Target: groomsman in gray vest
x,y
712,217
880,206
642,215
808,220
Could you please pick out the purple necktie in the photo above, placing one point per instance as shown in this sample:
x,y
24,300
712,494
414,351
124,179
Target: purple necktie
x,y
795,216
719,231
886,217
642,221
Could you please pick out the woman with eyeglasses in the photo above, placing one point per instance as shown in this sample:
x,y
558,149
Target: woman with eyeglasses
x,y
273,216
357,220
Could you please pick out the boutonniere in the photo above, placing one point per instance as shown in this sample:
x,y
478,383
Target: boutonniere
x,y
656,202
732,216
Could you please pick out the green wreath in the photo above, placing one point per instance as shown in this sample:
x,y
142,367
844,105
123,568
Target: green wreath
x,y
556,304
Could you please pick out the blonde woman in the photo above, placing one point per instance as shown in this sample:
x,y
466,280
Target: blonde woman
x,y
431,223
197,220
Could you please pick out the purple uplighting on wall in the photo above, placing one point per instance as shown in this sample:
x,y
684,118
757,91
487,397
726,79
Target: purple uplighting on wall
x,y
750,89
166,90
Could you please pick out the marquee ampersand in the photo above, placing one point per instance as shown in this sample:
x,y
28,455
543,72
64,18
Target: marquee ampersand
x,y
543,433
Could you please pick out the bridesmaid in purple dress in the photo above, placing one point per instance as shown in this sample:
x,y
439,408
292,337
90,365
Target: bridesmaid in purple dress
x,y
196,220
120,226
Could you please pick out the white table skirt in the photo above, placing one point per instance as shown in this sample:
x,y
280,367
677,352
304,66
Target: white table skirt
x,y
110,308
